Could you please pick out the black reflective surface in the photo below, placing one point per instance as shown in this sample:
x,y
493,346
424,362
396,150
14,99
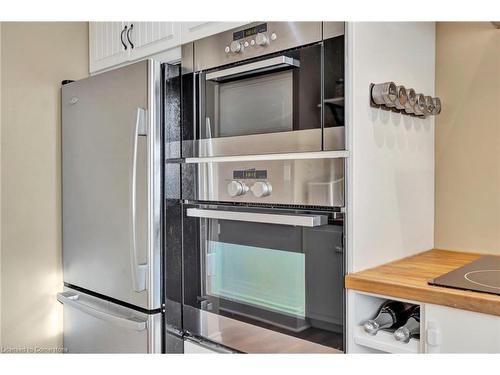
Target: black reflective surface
x,y
334,81
172,110
174,343
172,210
482,275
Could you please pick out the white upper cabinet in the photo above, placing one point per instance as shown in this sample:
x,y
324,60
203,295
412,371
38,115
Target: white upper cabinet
x,y
115,43
149,38
107,45
196,30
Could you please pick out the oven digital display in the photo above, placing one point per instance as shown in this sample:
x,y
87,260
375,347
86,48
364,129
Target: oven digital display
x,y
250,31
250,174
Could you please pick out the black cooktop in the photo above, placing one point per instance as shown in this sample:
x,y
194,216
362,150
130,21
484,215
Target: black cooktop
x,y
482,275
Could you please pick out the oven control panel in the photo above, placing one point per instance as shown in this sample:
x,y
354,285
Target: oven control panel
x,y
251,41
259,189
251,37
249,180
311,182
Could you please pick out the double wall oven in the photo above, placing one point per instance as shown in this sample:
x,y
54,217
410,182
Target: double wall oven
x,y
255,196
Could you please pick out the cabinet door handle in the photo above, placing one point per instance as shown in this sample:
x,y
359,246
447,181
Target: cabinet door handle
x,y
433,337
121,37
128,36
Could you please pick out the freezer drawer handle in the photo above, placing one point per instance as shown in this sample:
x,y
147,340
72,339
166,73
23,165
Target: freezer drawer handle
x,y
255,217
138,270
255,67
72,299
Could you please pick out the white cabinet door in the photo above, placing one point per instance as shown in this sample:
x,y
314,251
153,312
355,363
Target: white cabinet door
x,y
105,45
196,30
149,38
451,330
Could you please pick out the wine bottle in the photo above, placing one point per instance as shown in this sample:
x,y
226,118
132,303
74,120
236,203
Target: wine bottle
x,y
411,329
392,314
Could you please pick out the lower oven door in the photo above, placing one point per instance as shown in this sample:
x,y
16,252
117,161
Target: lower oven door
x,y
264,280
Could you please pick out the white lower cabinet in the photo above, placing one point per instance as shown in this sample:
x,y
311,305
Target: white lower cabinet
x,y
443,329
450,330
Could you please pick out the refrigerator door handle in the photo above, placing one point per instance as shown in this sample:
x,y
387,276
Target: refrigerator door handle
x,y
138,270
72,299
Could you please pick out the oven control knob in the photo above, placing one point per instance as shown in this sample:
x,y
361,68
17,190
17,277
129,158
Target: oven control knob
x,y
236,188
235,46
261,39
261,189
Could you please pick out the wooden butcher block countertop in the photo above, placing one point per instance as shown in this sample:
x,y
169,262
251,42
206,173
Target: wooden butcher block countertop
x,y
407,279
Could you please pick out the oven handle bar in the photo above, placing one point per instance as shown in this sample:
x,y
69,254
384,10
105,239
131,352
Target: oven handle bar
x,y
255,217
255,67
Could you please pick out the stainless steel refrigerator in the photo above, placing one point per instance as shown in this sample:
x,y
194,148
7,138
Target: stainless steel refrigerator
x,y
111,189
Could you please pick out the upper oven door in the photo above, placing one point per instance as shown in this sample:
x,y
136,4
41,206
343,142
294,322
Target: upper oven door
x,y
264,280
265,106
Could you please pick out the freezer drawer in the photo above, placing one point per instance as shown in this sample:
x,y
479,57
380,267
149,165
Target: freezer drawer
x,y
93,325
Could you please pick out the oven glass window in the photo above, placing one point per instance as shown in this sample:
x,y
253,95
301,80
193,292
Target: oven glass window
x,y
276,100
268,278
256,105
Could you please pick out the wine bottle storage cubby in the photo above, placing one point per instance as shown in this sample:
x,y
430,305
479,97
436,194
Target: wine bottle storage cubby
x,y
367,307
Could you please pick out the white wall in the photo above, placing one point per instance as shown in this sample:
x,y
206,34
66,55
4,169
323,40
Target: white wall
x,y
392,163
35,58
